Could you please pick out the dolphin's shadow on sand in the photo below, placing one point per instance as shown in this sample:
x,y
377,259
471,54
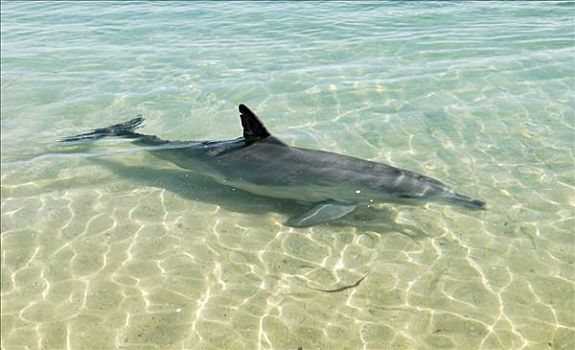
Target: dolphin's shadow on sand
x,y
197,187
330,185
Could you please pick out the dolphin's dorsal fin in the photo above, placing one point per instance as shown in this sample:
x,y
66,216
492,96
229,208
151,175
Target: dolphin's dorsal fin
x,y
254,129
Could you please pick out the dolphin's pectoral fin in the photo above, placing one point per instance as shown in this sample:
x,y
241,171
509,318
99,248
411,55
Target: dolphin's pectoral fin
x,y
254,129
320,213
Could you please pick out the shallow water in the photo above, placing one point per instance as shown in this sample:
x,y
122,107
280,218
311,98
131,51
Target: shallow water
x,y
105,246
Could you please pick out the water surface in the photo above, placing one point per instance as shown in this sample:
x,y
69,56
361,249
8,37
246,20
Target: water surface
x,y
107,247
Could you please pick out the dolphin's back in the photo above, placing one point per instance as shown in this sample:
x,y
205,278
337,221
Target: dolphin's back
x,y
267,166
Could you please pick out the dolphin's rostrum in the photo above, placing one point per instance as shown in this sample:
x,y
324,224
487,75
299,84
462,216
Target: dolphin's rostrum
x,y
332,184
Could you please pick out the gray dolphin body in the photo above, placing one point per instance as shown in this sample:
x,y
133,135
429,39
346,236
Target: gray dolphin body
x,y
332,184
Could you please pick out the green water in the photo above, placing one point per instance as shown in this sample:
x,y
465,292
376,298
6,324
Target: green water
x,y
107,247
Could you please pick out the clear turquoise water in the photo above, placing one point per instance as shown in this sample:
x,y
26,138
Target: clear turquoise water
x,y
125,251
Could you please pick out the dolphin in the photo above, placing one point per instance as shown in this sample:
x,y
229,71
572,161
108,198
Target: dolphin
x,y
332,185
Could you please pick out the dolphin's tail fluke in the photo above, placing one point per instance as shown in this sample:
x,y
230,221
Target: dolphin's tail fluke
x,y
465,201
124,129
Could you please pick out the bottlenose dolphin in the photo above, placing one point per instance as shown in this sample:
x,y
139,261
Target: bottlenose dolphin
x,y
333,185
